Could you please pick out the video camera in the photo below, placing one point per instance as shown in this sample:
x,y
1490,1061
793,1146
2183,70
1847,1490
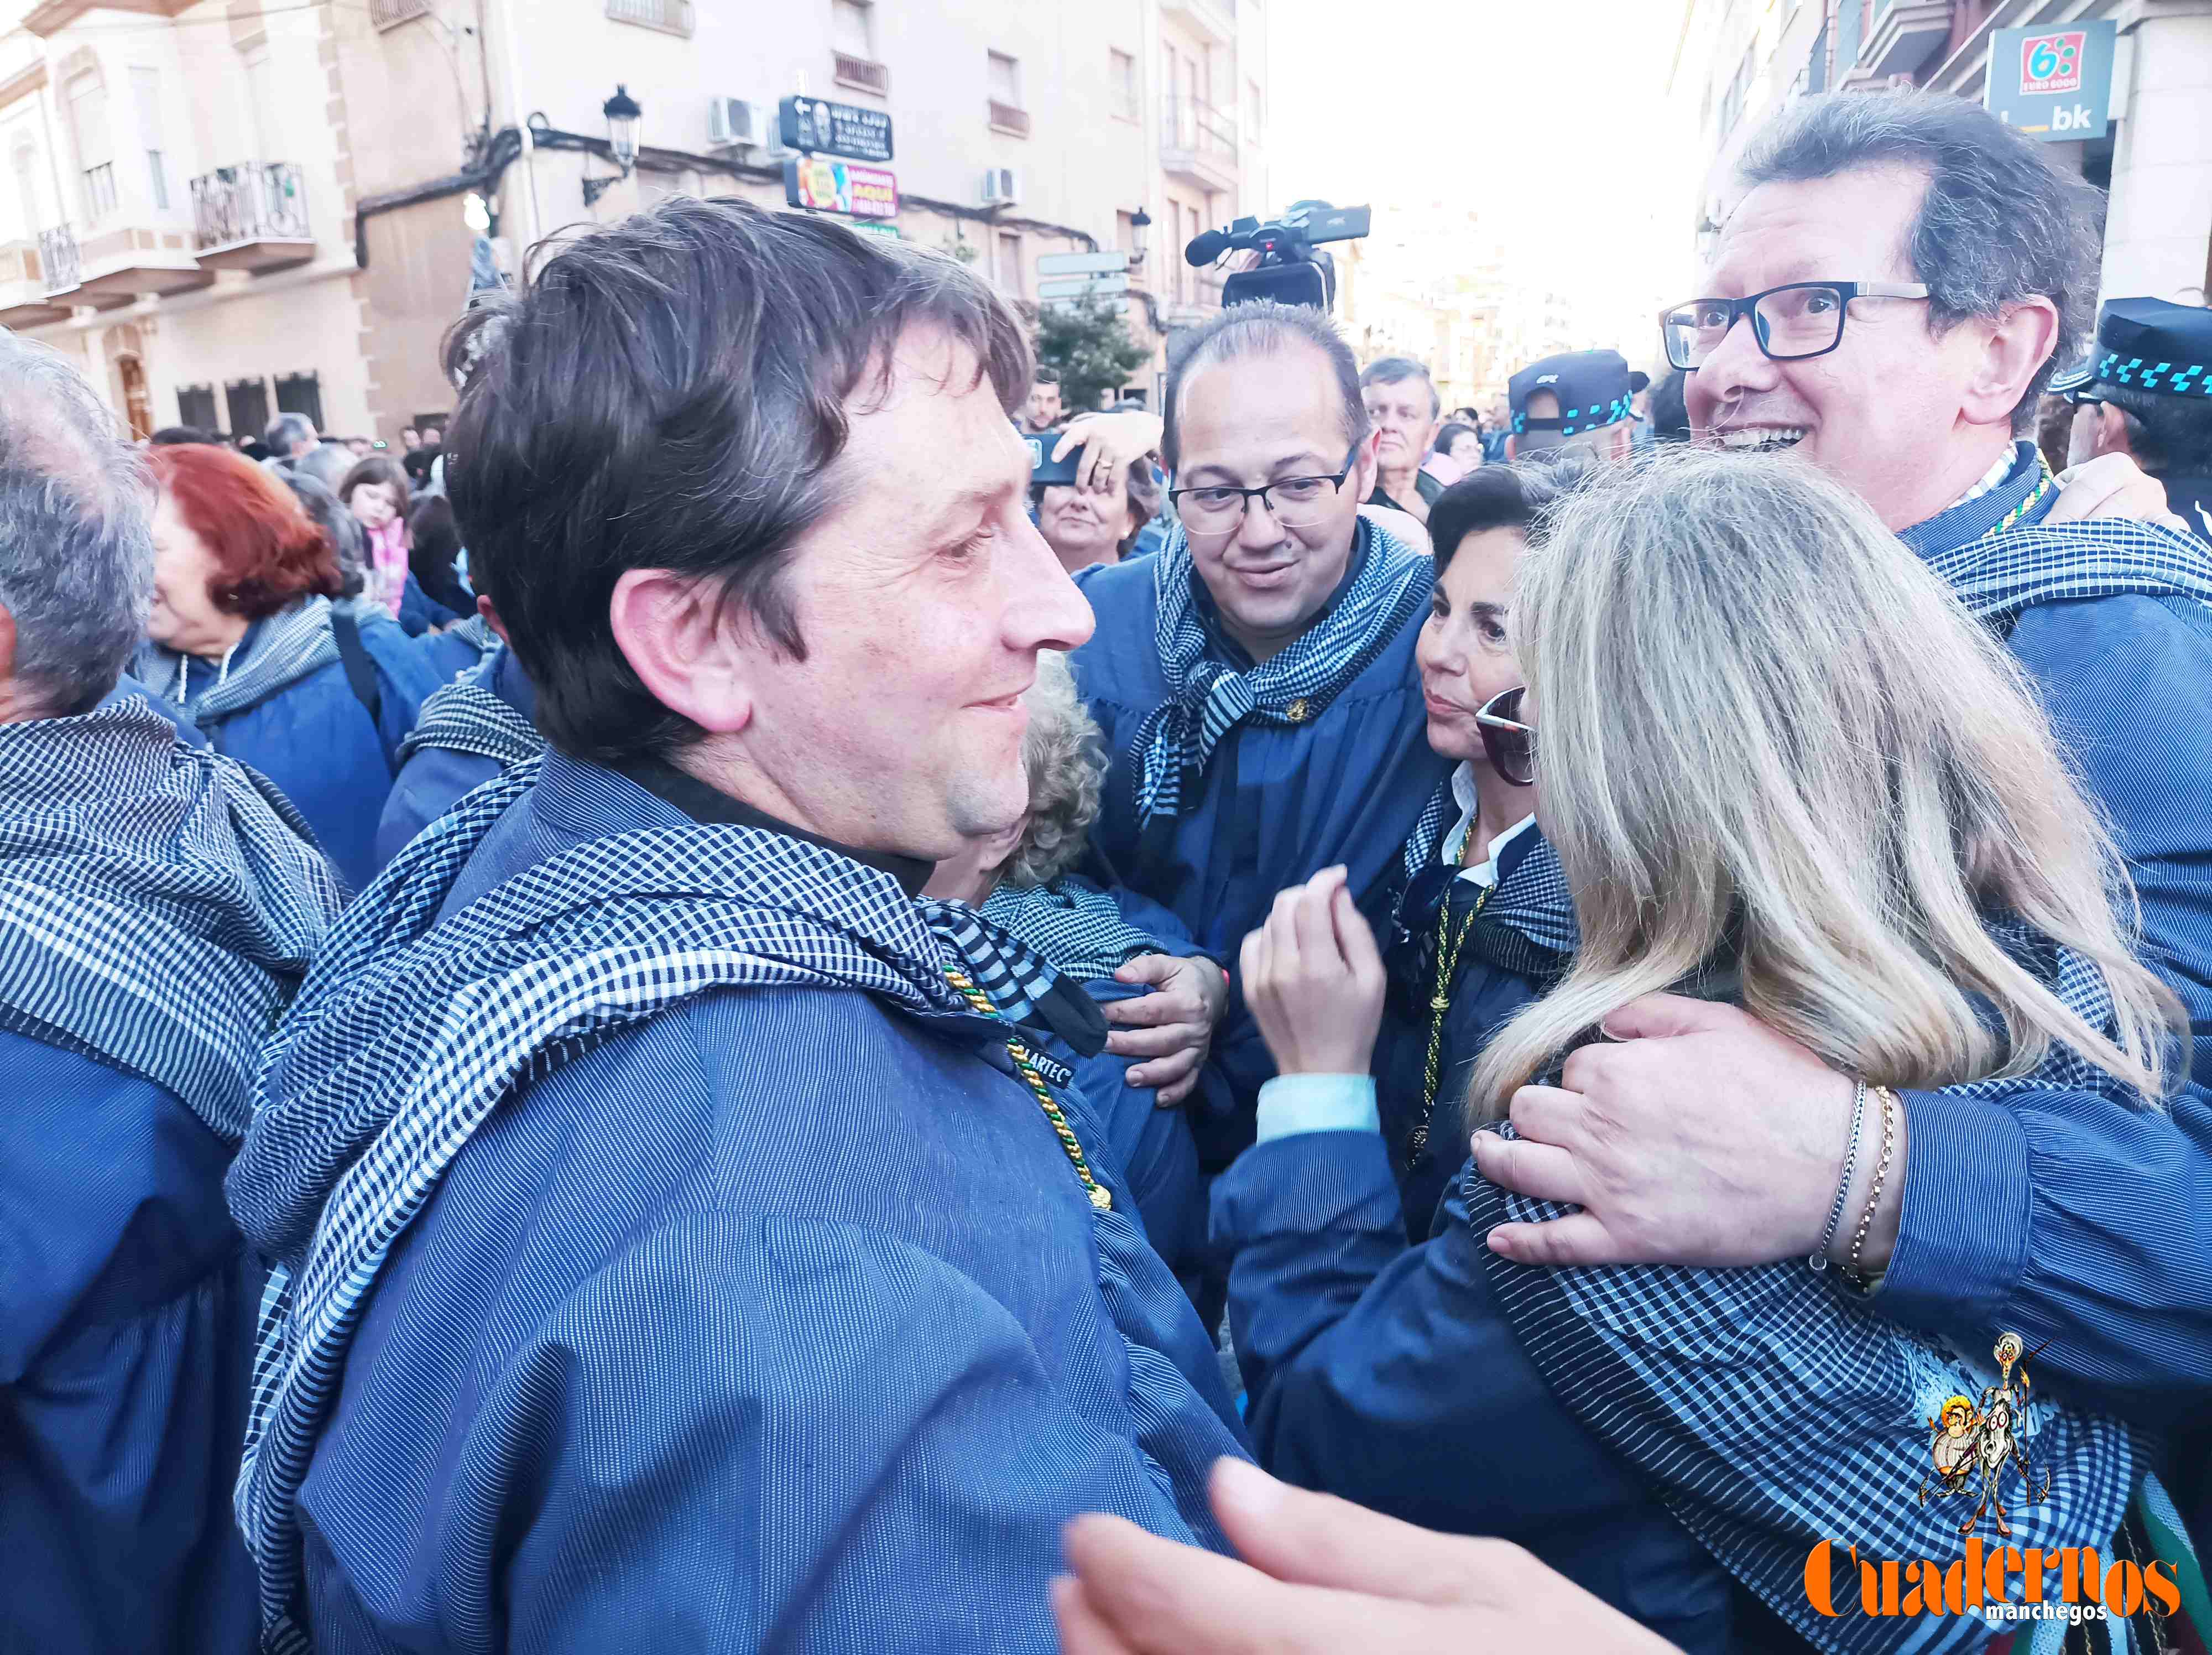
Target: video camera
x,y
1288,271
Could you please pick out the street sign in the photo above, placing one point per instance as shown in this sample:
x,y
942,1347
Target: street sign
x,y
1086,286
1083,263
831,186
819,127
875,227
2054,84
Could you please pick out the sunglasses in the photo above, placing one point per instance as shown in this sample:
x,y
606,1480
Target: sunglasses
x,y
1510,744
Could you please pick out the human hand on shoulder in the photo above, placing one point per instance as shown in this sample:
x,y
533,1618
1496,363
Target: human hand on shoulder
x,y
1695,1135
2113,486
1172,1026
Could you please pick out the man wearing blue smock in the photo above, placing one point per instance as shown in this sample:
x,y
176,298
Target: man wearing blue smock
x,y
158,905
1255,681
683,1237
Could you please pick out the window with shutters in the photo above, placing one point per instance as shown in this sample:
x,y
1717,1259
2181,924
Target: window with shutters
x,y
300,394
1121,83
146,97
95,152
196,407
248,402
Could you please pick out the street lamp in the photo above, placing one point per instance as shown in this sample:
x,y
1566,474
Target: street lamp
x,y
1139,221
623,115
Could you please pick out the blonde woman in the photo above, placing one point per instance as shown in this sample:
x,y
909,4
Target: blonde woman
x,y
1780,766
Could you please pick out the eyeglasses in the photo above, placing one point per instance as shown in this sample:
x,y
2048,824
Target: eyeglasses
x,y
1789,323
1296,502
1510,744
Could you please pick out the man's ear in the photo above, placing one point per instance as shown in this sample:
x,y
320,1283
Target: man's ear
x,y
2014,350
1512,449
1364,465
7,644
692,650
2112,431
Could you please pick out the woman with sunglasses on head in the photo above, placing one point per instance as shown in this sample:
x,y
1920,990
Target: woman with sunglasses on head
x,y
1783,769
1462,953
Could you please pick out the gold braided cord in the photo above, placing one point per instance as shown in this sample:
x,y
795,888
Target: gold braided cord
x,y
1448,952
1025,1066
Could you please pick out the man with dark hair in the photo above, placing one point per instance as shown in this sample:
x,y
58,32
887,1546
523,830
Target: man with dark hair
x,y
1403,407
2146,392
1905,269
1254,678
289,436
158,906
679,1241
1042,411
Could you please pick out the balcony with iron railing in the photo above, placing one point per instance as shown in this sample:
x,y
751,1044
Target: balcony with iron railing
x,y
253,217
1198,143
24,301
861,74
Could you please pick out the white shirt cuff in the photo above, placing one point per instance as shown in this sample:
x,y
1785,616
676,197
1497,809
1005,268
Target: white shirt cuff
x,y
1291,1103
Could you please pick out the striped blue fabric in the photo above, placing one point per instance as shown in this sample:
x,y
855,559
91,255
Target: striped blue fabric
x,y
467,717
409,1032
1207,698
159,904
1075,925
1772,1407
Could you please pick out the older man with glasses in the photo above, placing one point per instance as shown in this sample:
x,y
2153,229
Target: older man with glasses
x,y
1889,300
1254,681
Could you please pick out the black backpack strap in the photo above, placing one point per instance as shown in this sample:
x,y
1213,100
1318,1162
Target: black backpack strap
x,y
360,670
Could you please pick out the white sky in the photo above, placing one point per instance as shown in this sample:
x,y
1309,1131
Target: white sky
x,y
1551,117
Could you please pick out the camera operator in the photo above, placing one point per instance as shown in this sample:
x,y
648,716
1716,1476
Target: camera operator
x,y
1401,400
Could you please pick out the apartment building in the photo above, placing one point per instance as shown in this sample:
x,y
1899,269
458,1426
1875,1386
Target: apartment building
x,y
1744,59
174,212
239,207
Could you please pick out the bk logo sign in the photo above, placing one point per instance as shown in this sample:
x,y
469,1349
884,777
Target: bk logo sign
x,y
2051,63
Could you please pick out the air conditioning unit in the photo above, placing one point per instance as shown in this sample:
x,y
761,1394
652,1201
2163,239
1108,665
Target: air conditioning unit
x,y
1002,186
734,123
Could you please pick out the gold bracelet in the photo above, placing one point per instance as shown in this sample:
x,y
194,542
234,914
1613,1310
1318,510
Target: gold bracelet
x,y
1855,1268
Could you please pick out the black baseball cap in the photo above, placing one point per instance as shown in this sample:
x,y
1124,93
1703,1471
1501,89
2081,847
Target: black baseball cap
x,y
1593,386
2146,345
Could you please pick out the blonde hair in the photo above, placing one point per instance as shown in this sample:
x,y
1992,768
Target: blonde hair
x,y
1765,725
1065,755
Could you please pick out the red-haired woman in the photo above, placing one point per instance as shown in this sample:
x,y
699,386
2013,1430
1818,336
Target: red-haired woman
x,y
242,643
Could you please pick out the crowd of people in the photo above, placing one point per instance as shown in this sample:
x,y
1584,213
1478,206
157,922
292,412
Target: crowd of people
x,y
788,999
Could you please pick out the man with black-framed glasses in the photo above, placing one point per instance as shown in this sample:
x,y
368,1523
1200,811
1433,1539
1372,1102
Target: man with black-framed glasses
x,y
1255,679
1889,299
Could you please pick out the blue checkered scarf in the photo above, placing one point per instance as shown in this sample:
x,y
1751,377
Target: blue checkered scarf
x,y
466,717
1771,1408
1528,926
409,1032
158,905
1207,698
273,656
1077,927
1999,572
